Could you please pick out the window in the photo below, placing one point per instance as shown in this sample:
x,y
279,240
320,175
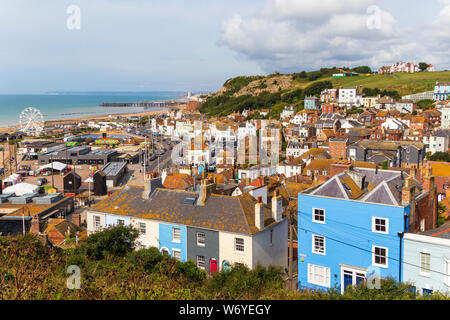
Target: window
x,y
271,236
380,256
120,222
176,237
142,228
427,292
201,239
164,251
422,225
425,263
201,262
447,272
319,275
176,254
96,221
318,244
319,215
239,244
380,225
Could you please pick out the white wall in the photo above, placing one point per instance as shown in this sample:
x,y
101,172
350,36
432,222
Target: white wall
x,y
227,252
90,221
151,237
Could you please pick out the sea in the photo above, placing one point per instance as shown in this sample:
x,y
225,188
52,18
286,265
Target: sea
x,y
66,105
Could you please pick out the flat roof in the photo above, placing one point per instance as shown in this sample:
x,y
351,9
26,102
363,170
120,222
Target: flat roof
x,y
113,168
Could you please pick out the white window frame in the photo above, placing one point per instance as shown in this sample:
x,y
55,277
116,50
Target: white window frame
x,y
144,225
313,238
179,235
312,271
236,245
447,271
373,257
177,251
374,225
317,221
99,222
199,243
199,263
421,260
354,272
164,249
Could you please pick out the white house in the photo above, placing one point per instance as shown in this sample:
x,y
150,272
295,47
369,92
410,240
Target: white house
x,y
349,97
437,142
427,260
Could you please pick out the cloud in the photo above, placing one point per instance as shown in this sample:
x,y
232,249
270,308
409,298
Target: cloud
x,y
293,35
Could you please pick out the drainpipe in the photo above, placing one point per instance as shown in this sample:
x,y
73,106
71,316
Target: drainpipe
x,y
400,234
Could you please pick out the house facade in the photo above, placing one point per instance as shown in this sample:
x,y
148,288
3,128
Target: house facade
x,y
214,231
427,260
441,91
350,228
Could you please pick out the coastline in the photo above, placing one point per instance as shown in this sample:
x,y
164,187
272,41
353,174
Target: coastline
x,y
4,129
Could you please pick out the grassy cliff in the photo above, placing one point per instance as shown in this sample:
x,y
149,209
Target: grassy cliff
x,y
278,90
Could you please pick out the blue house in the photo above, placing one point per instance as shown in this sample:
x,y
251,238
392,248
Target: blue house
x,y
351,227
172,240
312,103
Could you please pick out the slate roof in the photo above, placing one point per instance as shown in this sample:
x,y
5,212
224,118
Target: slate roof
x,y
441,232
221,213
382,186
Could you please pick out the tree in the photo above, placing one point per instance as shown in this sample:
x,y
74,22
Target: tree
x,y
118,241
362,69
423,66
441,213
440,156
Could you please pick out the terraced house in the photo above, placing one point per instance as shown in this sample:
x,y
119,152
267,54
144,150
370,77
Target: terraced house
x,y
351,227
214,231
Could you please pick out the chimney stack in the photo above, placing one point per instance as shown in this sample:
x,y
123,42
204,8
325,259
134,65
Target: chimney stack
x,y
35,225
259,214
151,185
206,189
276,206
429,185
76,219
408,197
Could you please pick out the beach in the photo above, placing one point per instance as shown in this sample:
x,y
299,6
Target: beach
x,y
89,118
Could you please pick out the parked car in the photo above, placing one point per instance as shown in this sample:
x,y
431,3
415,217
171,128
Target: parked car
x,y
41,181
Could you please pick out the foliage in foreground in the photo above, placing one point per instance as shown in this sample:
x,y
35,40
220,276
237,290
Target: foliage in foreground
x,y
114,269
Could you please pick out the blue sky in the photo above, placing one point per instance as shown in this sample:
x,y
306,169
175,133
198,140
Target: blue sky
x,y
144,45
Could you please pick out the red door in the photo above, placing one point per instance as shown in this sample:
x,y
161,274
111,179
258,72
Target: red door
x,y
212,266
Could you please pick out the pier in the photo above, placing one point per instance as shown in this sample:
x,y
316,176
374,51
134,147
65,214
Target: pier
x,y
143,104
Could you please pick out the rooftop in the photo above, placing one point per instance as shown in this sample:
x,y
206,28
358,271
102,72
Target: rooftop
x,y
365,185
223,213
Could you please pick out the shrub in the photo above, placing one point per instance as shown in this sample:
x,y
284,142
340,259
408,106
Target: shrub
x,y
117,241
190,270
147,258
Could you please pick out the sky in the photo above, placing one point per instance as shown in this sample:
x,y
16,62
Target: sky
x,y
196,45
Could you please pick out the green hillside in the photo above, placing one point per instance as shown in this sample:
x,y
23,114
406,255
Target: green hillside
x,y
278,90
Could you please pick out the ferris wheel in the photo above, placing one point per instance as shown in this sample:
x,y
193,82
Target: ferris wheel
x,y
31,121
